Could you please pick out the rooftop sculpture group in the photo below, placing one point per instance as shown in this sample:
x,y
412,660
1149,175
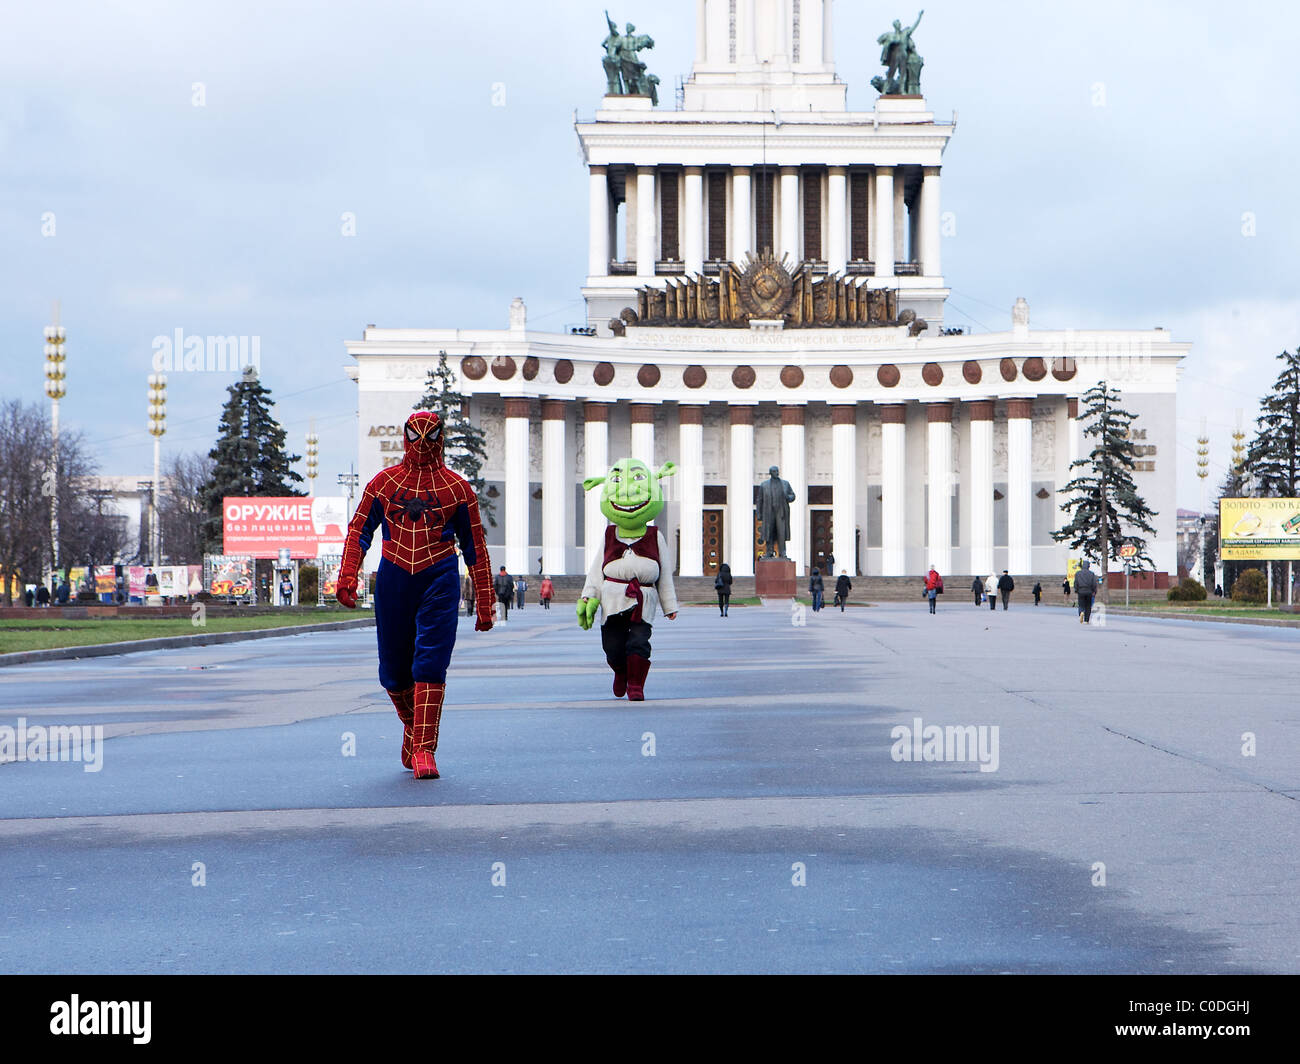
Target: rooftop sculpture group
x,y
625,74
902,62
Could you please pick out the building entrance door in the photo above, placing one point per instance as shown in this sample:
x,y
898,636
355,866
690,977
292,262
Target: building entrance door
x,y
821,539
712,541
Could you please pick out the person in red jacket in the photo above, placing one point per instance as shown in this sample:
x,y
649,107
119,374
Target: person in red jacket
x,y
933,587
419,506
546,592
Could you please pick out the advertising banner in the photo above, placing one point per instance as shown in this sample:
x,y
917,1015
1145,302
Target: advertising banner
x,y
229,577
329,577
260,527
1263,529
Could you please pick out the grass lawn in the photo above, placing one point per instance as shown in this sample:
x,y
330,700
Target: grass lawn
x,y
58,632
1208,609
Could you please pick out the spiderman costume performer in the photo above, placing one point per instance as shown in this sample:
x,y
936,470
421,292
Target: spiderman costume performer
x,y
419,506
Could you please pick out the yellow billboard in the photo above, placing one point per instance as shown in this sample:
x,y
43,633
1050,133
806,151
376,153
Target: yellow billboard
x,y
1261,529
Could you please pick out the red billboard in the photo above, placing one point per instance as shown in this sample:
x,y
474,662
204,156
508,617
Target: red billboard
x,y
259,527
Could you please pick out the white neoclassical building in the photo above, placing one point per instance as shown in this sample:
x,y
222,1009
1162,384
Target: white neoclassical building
x,y
765,287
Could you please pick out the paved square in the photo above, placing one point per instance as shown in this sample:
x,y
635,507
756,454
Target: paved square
x,y
556,842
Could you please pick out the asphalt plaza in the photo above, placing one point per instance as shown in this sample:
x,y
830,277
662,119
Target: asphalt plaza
x,y
753,815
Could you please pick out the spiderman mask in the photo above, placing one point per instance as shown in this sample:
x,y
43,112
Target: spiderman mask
x,y
422,439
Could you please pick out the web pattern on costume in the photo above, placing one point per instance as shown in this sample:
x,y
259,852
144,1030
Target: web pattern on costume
x,y
421,508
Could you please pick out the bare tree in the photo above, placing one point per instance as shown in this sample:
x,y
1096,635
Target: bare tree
x,y
24,502
180,507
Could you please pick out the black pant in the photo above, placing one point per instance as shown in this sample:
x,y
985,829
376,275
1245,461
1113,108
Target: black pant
x,y
621,636
1085,607
1006,598
505,607
993,600
724,602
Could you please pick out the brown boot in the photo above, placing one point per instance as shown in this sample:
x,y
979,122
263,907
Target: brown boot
x,y
404,703
620,682
637,667
424,729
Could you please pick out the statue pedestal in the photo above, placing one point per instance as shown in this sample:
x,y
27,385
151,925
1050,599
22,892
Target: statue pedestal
x,y
774,578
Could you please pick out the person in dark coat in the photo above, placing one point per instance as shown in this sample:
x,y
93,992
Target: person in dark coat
x,y
817,588
1038,593
42,596
29,597
1005,586
722,585
1085,586
64,592
977,589
504,587
1065,587
842,589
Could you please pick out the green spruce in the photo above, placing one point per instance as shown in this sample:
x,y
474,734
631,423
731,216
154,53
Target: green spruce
x,y
1106,509
1273,457
464,443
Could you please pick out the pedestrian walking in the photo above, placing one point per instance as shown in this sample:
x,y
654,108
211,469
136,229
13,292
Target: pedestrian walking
x,y
546,592
1005,586
842,588
64,592
991,591
1038,593
933,587
286,590
521,586
1085,587
817,588
1065,587
467,594
977,589
504,588
722,585
42,596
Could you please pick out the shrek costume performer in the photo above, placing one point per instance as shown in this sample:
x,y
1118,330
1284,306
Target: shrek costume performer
x,y
632,578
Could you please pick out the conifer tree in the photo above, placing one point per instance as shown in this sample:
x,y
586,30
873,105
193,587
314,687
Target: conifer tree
x,y
1103,496
249,456
464,443
1273,457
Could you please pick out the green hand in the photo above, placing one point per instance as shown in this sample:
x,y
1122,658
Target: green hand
x,y
587,612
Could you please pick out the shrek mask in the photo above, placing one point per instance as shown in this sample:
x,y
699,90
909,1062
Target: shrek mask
x,y
631,497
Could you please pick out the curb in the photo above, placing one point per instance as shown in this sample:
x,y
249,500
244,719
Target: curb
x,y
1262,622
175,642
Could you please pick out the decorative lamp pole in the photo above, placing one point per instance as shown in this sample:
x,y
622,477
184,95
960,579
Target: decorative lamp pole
x,y
1202,471
56,389
312,468
157,428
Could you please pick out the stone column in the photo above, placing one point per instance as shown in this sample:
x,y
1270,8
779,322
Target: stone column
x,y
788,238
930,265
1071,449
884,242
837,222
893,457
740,492
1020,486
939,511
844,500
900,221
794,467
596,464
598,247
555,537
516,448
643,432
828,35
741,212
690,420
647,238
693,221
980,487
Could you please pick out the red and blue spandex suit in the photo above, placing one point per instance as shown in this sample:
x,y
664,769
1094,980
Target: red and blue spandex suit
x,y
420,507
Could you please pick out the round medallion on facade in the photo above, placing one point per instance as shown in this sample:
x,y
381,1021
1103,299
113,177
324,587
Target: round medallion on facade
x,y
473,367
563,371
971,372
503,367
531,366
766,287
743,376
841,376
603,374
932,374
888,375
1007,367
792,376
694,376
1064,369
1034,369
648,375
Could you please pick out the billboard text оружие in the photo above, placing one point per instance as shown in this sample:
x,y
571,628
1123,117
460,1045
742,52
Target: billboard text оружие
x,y
308,527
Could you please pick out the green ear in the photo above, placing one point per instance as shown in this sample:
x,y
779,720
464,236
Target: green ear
x,y
592,482
666,470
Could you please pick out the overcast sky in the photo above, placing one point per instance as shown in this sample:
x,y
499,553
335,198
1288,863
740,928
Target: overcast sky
x,y
1109,160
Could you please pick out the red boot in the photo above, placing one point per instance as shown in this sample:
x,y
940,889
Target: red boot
x,y
620,682
637,667
424,729
404,703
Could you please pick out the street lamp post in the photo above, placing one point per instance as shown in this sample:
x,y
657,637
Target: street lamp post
x,y
312,467
56,389
157,428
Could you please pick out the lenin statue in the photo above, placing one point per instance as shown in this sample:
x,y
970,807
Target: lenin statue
x,y
774,498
